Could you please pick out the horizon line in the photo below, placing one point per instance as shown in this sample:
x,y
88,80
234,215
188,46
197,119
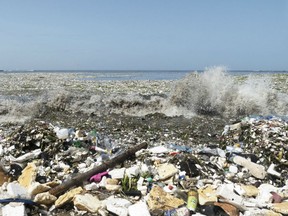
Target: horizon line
x,y
75,70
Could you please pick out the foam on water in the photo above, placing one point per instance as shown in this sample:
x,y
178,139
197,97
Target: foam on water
x,y
212,92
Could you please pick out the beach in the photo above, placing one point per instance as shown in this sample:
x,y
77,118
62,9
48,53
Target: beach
x,y
74,98
57,98
190,114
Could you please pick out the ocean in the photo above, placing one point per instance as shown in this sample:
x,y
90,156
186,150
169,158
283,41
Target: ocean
x,y
112,75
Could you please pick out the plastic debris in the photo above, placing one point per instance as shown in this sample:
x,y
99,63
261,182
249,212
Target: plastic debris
x,y
67,197
117,206
280,207
207,195
192,200
4,177
27,156
271,171
135,209
182,211
159,199
256,170
87,202
117,173
14,209
98,177
45,198
28,175
166,170
228,208
243,174
15,190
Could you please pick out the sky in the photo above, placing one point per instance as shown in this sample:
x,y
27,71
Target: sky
x,y
143,34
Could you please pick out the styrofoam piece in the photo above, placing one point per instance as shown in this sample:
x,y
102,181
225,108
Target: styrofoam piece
x,y
264,196
30,155
257,170
226,192
17,191
139,208
158,150
133,171
271,170
117,206
62,133
233,169
117,173
14,208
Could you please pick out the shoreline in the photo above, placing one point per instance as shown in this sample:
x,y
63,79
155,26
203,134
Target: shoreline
x,y
26,83
101,111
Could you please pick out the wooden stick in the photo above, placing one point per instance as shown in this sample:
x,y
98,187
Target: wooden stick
x,y
79,178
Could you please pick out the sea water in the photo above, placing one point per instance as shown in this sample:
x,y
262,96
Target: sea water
x,y
116,75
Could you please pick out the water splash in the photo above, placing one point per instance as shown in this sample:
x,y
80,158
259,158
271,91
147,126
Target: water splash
x,y
214,92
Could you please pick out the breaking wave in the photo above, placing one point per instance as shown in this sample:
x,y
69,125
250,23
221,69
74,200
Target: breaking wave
x,y
212,92
216,92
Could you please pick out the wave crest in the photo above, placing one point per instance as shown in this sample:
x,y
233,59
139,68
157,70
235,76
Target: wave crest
x,y
215,92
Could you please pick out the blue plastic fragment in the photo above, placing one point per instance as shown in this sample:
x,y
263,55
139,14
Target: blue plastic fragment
x,y
25,201
180,148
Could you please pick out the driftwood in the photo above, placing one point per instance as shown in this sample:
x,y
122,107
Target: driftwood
x,y
79,178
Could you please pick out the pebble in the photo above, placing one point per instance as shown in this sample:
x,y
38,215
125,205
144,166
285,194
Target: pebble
x,y
112,185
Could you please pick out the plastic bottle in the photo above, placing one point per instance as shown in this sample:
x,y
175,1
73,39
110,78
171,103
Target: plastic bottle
x,y
192,200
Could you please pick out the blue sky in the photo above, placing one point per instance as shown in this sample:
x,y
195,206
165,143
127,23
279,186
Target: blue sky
x,y
144,35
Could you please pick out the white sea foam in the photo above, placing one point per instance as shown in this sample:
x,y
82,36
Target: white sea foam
x,y
216,92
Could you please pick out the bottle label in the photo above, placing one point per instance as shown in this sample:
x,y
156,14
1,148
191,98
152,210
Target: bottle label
x,y
192,201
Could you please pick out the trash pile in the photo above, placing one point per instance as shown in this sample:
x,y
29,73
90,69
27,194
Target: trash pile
x,y
49,170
